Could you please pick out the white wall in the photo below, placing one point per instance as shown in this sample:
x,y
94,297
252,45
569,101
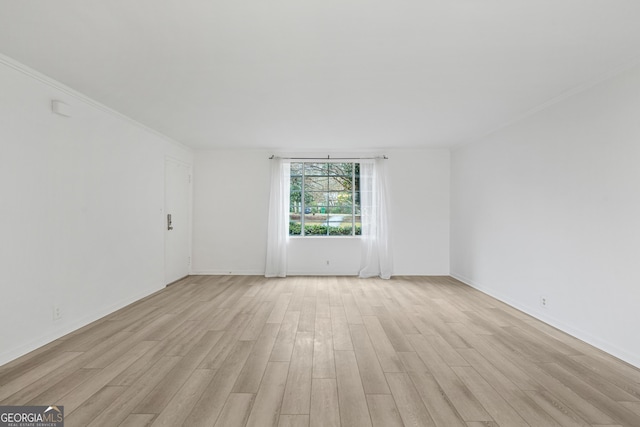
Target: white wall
x,y
230,200
550,207
231,197
420,182
81,210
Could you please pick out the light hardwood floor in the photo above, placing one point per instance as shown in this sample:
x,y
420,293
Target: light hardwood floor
x,y
324,351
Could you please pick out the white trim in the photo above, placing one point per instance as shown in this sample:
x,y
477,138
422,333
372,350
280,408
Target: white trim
x,y
323,273
219,272
536,313
30,72
324,236
14,353
178,160
227,273
559,98
261,273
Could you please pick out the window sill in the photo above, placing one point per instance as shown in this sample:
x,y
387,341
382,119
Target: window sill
x,y
323,237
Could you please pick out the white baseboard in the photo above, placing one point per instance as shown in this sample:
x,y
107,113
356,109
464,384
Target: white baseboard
x,y
300,273
321,273
576,332
227,273
71,326
261,273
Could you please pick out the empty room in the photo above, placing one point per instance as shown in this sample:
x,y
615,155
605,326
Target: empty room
x,y
320,213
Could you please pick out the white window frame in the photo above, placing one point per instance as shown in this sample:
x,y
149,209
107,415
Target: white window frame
x,y
303,204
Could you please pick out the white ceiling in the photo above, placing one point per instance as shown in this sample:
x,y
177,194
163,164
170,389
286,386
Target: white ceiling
x,y
322,74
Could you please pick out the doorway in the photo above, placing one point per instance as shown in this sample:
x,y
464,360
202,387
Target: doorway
x,y
177,220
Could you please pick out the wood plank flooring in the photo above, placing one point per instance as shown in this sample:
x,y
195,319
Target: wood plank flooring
x,y
324,351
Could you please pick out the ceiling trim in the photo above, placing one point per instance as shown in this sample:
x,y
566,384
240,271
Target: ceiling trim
x,y
555,100
42,78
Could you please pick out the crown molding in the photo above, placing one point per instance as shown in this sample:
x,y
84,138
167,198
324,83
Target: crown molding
x,y
42,78
555,100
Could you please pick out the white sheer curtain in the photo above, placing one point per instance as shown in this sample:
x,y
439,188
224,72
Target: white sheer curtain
x,y
374,199
278,231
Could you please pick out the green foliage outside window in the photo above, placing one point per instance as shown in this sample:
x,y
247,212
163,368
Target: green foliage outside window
x,y
322,230
324,199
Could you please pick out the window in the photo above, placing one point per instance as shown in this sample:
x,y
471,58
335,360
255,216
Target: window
x,y
324,199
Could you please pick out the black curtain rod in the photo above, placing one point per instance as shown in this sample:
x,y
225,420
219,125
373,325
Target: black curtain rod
x,y
273,156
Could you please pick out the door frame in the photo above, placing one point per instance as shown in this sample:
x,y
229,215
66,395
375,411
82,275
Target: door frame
x,y
189,167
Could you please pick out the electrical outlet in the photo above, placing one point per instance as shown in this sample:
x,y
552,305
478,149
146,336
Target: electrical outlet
x,y
544,301
57,313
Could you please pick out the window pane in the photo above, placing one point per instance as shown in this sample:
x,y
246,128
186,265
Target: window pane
x,y
316,183
295,226
340,198
340,225
316,169
315,230
345,169
316,216
339,183
316,198
295,202
332,198
340,231
336,220
341,209
322,198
